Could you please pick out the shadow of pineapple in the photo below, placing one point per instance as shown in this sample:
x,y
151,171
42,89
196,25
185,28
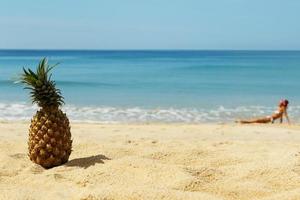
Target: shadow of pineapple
x,y
49,141
87,162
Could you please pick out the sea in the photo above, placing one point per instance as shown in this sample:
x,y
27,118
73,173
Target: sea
x,y
157,86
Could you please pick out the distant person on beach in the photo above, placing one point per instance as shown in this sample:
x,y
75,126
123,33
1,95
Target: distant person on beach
x,y
279,114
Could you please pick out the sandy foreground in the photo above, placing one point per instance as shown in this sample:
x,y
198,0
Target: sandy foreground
x,y
158,161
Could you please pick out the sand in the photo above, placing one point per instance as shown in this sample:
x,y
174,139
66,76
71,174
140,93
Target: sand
x,y
158,161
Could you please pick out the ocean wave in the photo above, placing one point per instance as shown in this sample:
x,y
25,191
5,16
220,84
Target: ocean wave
x,y
37,57
23,111
67,83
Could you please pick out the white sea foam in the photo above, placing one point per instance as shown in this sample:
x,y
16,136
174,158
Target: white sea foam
x,y
23,111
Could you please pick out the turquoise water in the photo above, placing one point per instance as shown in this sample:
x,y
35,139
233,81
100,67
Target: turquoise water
x,y
158,86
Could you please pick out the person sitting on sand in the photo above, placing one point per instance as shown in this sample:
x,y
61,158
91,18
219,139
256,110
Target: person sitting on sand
x,y
282,111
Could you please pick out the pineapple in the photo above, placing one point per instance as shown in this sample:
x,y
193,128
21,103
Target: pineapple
x,y
49,141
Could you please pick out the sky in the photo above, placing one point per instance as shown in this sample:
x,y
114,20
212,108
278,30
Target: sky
x,y
150,24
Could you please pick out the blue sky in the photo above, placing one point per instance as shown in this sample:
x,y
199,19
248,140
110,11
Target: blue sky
x,y
150,24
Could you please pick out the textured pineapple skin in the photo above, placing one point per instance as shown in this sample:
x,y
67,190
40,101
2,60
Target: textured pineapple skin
x,y
49,141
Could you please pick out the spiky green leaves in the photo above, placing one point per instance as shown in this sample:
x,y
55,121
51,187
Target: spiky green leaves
x,y
43,90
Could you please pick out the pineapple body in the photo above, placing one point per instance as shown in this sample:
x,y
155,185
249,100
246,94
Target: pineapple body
x,y
50,141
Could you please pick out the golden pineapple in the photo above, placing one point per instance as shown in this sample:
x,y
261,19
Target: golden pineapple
x,y
50,141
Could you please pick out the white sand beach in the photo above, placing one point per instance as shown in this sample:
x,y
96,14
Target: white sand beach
x,y
158,161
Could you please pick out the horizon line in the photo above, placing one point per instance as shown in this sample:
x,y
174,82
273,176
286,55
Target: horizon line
x,y
85,49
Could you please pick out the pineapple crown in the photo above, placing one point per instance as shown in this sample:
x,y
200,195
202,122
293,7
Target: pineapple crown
x,y
43,90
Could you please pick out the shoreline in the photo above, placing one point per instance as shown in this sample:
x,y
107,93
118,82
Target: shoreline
x,y
295,126
159,123
110,114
